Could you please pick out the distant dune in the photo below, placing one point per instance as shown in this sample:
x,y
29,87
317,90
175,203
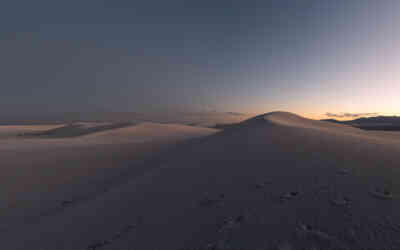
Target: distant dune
x,y
275,181
77,129
10,131
205,118
378,123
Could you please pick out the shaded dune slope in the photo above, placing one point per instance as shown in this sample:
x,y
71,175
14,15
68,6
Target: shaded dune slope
x,y
38,175
77,129
276,181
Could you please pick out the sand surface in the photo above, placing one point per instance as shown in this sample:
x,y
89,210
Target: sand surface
x,y
276,181
40,175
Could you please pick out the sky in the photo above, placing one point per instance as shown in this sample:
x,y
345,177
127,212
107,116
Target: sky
x,y
317,58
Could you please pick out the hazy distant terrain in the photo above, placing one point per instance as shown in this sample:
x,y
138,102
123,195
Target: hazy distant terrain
x,y
384,123
205,119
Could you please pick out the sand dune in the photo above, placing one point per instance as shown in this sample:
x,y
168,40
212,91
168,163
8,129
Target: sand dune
x,y
78,129
39,173
293,120
276,181
205,118
10,131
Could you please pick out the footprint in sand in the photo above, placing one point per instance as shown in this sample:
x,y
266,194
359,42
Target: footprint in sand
x,y
231,223
319,238
98,245
115,237
382,193
289,196
227,226
125,230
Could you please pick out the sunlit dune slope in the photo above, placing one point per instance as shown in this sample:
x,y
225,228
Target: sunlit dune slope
x,y
294,121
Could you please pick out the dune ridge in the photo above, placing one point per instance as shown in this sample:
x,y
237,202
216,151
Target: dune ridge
x,y
293,120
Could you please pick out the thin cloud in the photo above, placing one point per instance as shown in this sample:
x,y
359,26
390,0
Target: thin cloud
x,y
349,115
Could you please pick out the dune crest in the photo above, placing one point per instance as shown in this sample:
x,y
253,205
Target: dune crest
x,y
288,119
294,120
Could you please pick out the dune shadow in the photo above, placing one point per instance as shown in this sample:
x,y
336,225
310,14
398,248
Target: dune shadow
x,y
75,130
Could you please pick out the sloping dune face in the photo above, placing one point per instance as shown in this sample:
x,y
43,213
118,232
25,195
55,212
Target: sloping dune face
x,y
151,131
38,173
276,181
293,120
296,121
78,129
9,131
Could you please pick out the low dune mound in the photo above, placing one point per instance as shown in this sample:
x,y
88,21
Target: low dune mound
x,y
11,131
149,131
79,129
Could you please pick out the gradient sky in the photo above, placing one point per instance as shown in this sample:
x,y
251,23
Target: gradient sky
x,y
308,57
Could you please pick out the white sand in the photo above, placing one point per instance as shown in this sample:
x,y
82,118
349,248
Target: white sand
x,y
277,181
38,174
11,131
